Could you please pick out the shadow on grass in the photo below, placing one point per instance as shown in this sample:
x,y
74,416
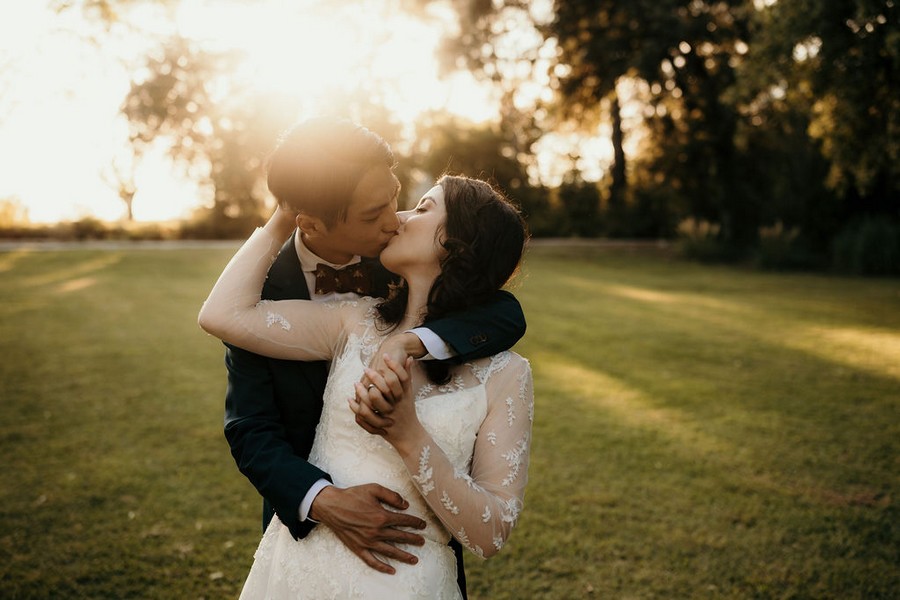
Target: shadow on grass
x,y
699,432
725,440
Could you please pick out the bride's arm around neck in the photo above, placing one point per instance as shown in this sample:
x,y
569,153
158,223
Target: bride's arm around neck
x,y
288,329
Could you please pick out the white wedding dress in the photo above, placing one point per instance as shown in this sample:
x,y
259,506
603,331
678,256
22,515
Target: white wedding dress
x,y
468,480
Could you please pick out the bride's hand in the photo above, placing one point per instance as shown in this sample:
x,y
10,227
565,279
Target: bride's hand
x,y
377,393
398,348
282,222
394,420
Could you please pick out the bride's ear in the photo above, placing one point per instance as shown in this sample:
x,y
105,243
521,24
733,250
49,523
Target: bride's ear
x,y
310,225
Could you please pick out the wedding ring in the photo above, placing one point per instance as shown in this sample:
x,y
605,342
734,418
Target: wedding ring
x,y
370,386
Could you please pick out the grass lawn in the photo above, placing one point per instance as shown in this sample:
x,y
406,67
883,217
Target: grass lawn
x,y
700,432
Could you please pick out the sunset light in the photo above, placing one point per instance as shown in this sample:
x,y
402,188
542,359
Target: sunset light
x,y
316,50
64,77
253,248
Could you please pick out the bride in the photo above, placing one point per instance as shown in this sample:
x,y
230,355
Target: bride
x,y
453,440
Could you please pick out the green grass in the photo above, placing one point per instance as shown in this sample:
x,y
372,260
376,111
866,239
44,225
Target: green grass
x,y
700,432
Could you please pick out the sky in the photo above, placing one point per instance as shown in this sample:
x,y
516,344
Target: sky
x,y
60,90
57,103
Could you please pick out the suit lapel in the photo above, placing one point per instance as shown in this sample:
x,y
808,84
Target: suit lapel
x,y
285,280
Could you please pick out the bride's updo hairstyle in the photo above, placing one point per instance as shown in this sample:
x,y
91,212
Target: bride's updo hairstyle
x,y
484,238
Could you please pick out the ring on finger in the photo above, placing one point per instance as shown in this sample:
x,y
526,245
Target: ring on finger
x,y
370,386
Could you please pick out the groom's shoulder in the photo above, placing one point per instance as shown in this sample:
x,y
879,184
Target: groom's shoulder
x,y
285,279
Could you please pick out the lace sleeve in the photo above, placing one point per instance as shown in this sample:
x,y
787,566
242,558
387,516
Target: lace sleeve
x,y
288,329
480,508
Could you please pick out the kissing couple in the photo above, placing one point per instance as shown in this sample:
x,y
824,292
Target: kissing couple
x,y
372,397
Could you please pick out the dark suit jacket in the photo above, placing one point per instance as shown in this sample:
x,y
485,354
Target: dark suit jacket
x,y
272,406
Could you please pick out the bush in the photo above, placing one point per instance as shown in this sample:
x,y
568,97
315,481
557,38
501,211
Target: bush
x,y
650,214
154,231
699,240
89,228
870,246
780,248
581,202
545,218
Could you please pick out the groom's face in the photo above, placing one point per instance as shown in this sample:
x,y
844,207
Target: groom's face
x,y
371,218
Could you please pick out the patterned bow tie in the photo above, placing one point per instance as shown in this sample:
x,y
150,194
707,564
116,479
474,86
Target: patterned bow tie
x,y
356,278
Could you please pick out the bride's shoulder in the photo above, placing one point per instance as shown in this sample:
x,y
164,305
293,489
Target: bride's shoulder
x,y
503,362
518,363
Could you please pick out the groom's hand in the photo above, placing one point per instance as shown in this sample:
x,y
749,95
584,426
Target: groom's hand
x,y
358,517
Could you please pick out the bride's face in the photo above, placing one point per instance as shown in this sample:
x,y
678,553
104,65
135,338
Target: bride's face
x,y
417,244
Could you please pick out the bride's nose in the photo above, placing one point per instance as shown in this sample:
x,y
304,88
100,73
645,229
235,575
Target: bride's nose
x,y
403,215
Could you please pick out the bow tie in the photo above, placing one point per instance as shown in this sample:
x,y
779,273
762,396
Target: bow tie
x,y
356,278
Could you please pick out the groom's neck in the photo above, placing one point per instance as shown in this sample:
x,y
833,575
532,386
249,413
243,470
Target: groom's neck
x,y
320,248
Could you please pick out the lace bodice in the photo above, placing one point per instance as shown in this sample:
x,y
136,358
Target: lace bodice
x,y
470,472
469,480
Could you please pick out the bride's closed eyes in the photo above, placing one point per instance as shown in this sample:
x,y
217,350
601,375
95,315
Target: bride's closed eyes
x,y
423,205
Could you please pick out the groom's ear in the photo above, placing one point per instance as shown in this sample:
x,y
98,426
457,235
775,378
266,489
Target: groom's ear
x,y
310,225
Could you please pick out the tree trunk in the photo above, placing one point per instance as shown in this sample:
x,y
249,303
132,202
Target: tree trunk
x,y
619,184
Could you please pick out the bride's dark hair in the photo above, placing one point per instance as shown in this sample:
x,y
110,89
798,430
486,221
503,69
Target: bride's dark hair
x,y
484,237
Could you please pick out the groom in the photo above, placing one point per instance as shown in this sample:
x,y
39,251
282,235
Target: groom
x,y
339,178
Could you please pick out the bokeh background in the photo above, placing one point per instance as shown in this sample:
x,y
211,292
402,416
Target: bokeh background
x,y
757,129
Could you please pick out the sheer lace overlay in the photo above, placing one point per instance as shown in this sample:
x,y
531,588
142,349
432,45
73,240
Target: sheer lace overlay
x,y
467,479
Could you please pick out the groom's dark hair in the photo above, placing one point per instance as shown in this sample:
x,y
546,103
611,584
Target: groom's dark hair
x,y
318,163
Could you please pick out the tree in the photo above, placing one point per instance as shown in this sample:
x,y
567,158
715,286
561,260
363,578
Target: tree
x,y
783,170
444,143
120,177
215,128
581,202
845,56
13,212
686,51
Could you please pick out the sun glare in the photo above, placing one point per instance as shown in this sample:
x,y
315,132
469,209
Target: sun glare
x,y
317,50
59,121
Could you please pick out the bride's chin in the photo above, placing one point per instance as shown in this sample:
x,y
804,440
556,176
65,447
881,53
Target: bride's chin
x,y
388,259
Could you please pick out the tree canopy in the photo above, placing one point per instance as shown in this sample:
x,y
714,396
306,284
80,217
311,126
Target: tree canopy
x,y
761,118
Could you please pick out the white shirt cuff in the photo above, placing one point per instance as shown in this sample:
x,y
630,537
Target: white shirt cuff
x,y
437,348
306,505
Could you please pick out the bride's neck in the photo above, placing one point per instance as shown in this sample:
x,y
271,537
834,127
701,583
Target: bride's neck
x,y
417,301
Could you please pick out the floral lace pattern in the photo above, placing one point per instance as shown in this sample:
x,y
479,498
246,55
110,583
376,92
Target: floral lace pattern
x,y
468,478
470,481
